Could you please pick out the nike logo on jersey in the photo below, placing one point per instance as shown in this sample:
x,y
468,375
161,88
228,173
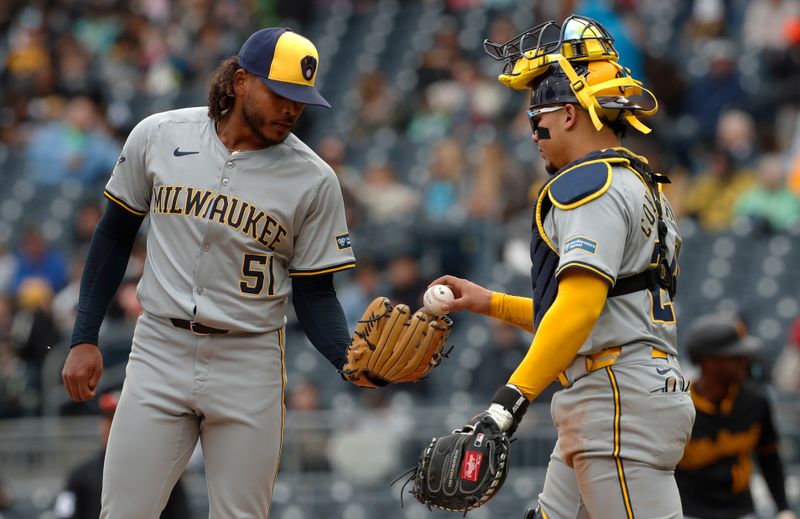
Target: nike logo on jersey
x,y
179,153
663,371
121,160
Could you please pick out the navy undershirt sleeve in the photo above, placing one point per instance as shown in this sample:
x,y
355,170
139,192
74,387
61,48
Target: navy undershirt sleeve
x,y
321,316
104,269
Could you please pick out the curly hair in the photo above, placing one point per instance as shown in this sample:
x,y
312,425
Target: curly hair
x,y
220,91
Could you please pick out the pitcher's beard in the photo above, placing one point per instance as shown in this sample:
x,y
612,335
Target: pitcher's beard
x,y
252,120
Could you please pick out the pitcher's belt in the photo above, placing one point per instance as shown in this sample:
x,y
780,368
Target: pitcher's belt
x,y
197,328
585,364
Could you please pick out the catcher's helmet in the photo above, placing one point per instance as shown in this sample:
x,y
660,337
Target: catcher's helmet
x,y
572,63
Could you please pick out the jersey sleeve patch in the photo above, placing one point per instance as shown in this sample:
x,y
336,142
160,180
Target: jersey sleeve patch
x,y
343,241
580,184
581,243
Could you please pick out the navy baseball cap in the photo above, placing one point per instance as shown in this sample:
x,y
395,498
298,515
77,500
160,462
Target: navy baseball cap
x,y
720,335
284,61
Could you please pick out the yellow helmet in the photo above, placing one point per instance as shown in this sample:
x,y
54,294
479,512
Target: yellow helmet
x,y
572,63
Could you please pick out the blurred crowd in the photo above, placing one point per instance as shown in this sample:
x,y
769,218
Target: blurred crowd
x,y
77,75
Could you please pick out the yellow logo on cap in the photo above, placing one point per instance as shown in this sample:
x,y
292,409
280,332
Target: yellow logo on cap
x,y
291,50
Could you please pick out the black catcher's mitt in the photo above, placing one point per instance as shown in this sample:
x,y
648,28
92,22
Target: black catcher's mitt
x,y
461,471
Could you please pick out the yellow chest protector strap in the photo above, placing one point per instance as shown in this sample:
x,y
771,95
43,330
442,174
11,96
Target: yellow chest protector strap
x,y
586,94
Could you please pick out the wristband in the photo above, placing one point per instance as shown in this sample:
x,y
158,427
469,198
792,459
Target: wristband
x,y
512,401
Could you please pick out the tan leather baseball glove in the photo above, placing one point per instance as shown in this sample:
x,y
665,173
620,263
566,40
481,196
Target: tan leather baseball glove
x,y
391,345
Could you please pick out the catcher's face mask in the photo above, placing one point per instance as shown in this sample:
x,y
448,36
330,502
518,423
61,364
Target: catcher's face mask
x,y
531,53
575,62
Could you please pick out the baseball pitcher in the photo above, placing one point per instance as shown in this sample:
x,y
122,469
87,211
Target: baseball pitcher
x,y
241,212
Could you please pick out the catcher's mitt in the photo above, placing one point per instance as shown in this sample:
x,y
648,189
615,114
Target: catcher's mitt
x,y
391,345
461,471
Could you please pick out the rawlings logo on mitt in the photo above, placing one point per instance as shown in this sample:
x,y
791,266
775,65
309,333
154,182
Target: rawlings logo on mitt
x,y
461,471
391,345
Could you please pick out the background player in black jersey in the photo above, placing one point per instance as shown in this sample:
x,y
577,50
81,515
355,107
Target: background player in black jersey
x,y
733,427
80,498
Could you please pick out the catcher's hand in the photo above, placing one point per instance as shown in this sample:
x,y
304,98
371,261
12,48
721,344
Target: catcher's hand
x,y
391,345
461,471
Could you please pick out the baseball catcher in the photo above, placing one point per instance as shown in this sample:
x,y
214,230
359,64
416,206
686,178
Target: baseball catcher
x,y
604,261
391,345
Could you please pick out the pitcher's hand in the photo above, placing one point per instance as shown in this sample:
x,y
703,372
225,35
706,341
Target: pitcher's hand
x,y
82,371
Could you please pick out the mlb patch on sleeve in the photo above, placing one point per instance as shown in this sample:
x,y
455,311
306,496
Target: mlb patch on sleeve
x,y
579,242
343,241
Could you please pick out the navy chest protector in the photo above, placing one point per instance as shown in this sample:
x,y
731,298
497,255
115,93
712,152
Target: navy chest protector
x,y
545,259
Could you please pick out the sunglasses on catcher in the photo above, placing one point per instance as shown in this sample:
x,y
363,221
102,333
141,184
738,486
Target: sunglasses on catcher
x,y
533,116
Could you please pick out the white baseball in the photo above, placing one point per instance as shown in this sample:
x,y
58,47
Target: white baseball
x,y
435,297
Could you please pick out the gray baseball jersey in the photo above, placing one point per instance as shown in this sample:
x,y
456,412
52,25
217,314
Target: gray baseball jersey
x,y
624,415
227,230
593,236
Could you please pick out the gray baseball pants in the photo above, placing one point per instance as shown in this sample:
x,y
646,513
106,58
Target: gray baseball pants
x,y
226,390
621,431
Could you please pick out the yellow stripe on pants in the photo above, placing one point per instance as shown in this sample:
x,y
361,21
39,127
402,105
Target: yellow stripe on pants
x,y
620,471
